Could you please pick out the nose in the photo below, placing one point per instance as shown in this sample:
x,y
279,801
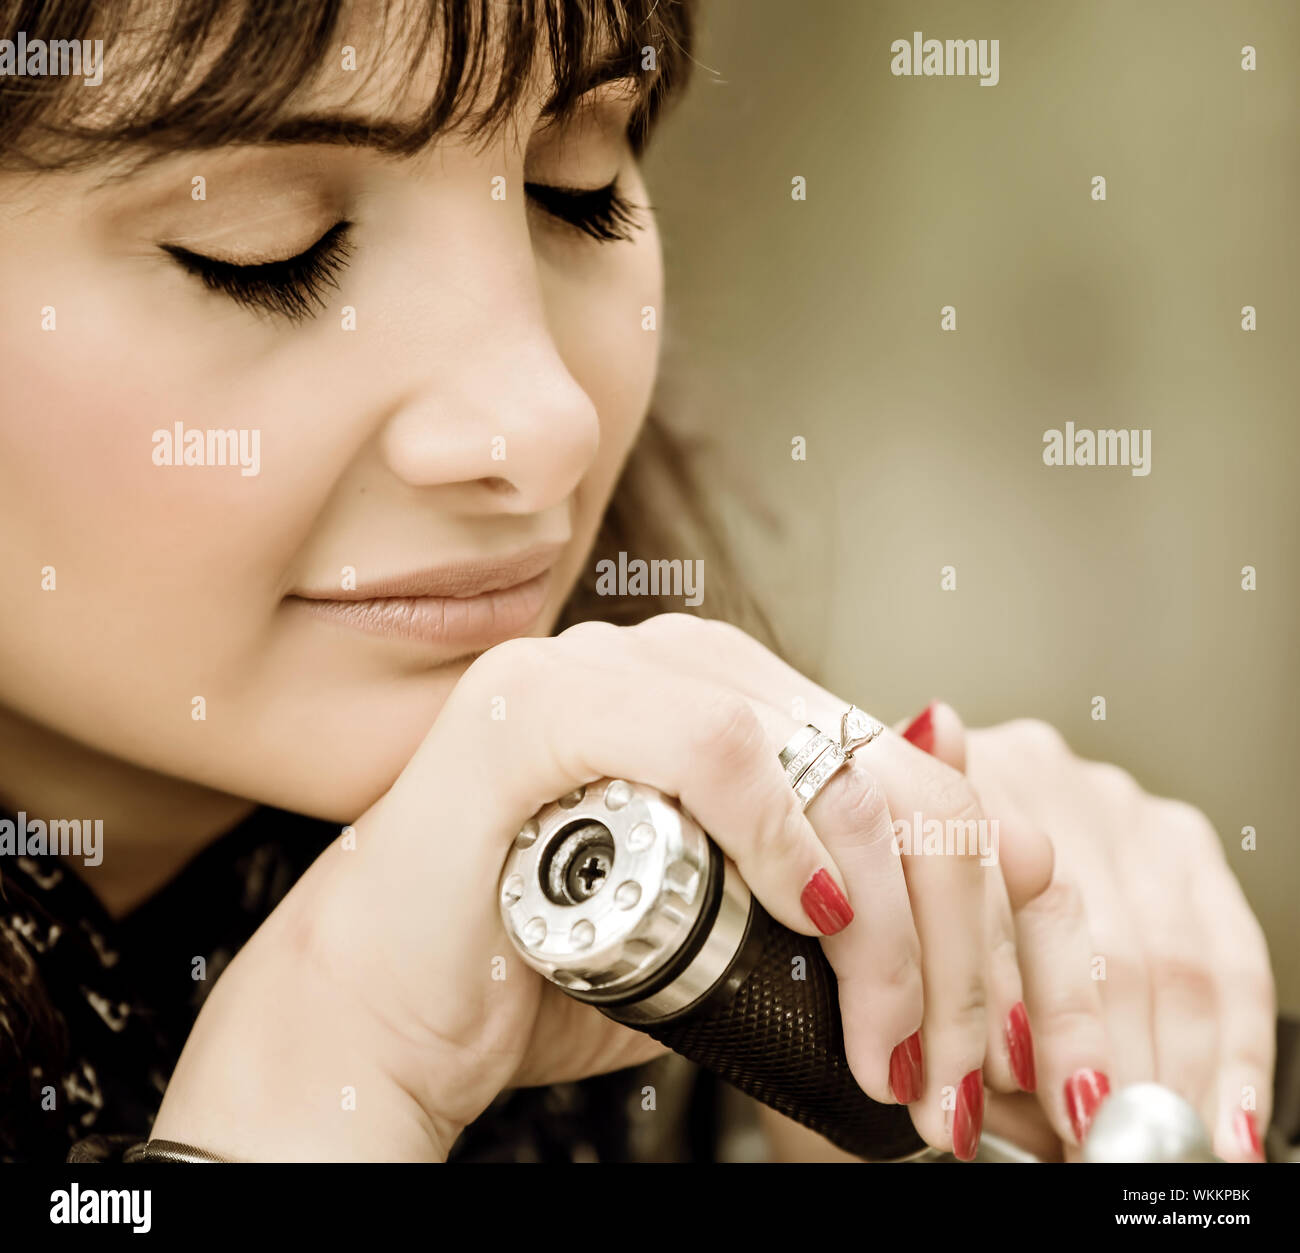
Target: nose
x,y
512,432
495,421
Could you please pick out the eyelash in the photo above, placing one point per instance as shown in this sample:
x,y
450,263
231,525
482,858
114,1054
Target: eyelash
x,y
295,287
604,213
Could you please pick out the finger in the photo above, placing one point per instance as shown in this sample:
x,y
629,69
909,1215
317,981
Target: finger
x,y
1026,855
1117,963
1184,997
1243,1087
1009,1054
1124,981
1122,977
938,730
1071,1049
1009,1060
877,961
947,853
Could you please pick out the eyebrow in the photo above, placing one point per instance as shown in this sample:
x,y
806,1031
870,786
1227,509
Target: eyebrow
x,y
362,132
342,128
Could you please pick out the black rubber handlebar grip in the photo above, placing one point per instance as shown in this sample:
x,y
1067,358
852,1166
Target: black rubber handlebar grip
x,y
772,1028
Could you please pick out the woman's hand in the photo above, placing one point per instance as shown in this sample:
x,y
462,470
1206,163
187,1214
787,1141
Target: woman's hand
x,y
368,1016
1178,959
962,980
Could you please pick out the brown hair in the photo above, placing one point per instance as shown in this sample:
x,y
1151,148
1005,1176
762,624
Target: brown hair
x,y
204,73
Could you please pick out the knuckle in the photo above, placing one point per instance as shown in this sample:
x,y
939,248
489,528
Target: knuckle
x,y
968,1006
1113,781
1126,965
945,792
725,632
667,624
585,636
783,831
1002,951
1182,974
903,973
1040,738
672,628
731,735
1068,1019
509,664
686,630
855,801
1061,901
961,803
1188,828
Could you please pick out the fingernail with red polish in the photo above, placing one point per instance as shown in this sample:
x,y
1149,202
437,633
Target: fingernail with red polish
x,y
968,1117
1248,1134
906,1074
825,904
921,730
1020,1045
1084,1092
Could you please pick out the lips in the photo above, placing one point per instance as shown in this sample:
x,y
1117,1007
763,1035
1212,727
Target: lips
x,y
467,606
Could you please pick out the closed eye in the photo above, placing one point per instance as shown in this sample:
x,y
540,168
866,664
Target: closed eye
x,y
604,213
294,288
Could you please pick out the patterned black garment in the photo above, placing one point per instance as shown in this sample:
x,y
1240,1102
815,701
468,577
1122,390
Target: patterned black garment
x,y
124,997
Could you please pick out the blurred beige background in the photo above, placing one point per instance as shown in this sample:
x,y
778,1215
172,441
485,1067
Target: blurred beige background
x,y
821,319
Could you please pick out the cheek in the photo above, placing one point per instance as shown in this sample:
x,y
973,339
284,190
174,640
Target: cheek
x,y
607,326
83,484
163,575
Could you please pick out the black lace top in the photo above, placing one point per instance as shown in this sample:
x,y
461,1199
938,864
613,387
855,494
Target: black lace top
x,y
94,1012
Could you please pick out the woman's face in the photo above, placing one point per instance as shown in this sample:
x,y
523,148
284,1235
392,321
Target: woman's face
x,y
477,403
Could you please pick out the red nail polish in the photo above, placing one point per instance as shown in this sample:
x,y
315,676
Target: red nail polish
x,y
906,1074
825,904
1020,1045
1084,1092
1247,1130
968,1117
921,730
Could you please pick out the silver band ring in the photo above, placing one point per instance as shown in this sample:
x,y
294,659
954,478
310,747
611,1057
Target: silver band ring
x,y
810,757
801,751
797,741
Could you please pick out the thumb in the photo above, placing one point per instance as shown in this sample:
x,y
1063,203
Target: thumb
x,y
939,731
